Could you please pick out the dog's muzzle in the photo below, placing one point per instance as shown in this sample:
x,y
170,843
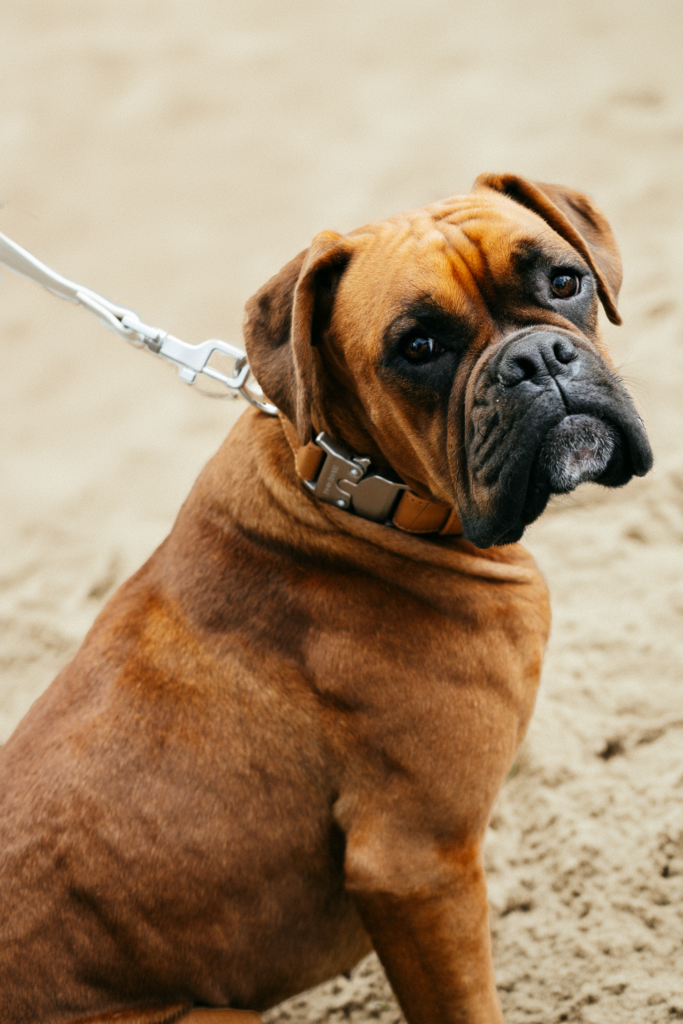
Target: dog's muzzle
x,y
547,413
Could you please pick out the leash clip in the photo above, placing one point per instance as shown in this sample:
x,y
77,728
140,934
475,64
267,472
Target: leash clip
x,y
347,481
189,360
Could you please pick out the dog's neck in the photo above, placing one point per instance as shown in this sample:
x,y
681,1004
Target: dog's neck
x,y
337,476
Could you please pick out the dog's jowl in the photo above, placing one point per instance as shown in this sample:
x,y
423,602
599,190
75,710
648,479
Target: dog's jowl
x,y
280,742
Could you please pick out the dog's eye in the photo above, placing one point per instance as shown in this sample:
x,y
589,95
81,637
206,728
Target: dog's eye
x,y
419,350
565,285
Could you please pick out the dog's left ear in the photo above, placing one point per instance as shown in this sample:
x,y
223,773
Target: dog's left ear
x,y
282,320
574,217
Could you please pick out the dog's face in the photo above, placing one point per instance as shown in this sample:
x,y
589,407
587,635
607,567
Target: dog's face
x,y
459,344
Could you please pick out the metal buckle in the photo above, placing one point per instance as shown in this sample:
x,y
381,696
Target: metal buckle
x,y
346,480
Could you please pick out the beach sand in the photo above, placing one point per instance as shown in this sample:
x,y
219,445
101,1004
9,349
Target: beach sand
x,y
175,155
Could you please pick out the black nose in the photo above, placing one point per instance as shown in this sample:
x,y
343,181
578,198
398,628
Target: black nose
x,y
535,358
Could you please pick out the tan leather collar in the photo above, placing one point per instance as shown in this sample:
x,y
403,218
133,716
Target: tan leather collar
x,y
409,512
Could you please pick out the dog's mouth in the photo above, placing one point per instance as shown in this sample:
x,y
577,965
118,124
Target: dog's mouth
x,y
581,448
578,449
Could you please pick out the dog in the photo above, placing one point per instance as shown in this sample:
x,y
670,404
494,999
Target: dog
x,y
280,742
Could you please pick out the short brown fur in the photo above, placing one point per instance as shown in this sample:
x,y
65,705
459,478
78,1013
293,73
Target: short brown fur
x,y
281,740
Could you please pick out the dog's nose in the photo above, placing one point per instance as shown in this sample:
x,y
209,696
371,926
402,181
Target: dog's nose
x,y
535,358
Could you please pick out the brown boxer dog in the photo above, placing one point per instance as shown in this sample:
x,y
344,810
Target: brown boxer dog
x,y
279,744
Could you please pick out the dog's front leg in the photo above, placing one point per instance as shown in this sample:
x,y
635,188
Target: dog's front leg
x,y
426,910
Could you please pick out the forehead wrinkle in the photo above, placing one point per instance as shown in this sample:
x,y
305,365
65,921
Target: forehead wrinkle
x,y
436,256
496,253
465,272
457,207
456,293
399,255
440,238
472,208
436,279
484,267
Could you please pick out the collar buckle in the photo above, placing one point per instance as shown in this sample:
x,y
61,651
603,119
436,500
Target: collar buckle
x,y
347,481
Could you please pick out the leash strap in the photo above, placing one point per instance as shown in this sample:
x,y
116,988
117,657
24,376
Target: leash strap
x,y
335,475
189,360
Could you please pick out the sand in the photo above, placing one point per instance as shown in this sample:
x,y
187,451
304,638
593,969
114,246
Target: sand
x,y
174,155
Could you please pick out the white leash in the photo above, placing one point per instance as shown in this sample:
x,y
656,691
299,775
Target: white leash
x,y
190,360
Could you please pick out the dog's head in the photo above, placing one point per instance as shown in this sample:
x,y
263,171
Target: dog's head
x,y
459,344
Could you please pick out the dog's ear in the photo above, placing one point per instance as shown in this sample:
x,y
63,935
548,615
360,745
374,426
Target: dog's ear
x,y
574,217
281,323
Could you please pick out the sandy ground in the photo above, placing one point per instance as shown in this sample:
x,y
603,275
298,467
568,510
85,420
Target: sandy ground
x,y
175,154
